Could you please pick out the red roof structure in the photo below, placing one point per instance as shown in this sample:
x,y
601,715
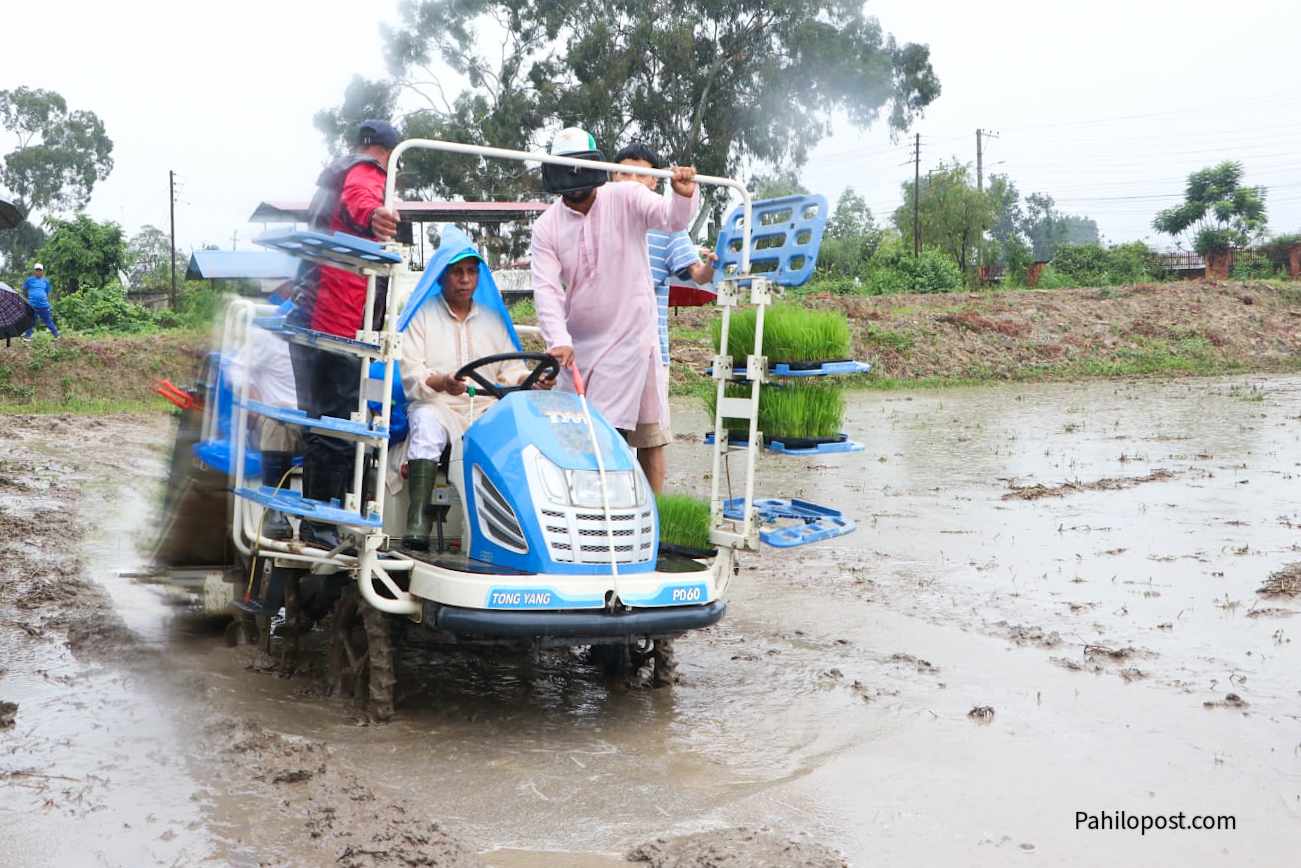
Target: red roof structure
x,y
417,212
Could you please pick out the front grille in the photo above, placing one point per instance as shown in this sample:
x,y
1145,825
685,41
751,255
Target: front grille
x,y
582,537
496,518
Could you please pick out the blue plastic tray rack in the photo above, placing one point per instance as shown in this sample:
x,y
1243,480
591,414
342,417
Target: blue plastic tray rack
x,y
840,368
293,503
844,444
337,249
344,429
813,522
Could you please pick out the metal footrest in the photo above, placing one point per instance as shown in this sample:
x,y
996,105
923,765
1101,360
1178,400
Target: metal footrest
x,y
331,426
293,503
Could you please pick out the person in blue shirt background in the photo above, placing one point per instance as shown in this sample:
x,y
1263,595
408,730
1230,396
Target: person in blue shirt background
x,y
38,296
672,254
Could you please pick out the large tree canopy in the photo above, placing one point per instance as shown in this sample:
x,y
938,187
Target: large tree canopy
x,y
58,157
717,83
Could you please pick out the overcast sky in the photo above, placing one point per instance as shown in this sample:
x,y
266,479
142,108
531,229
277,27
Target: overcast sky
x,y
1105,105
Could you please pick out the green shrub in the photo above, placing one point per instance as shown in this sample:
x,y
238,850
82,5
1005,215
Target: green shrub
x,y
684,520
834,284
1093,265
798,410
1051,278
102,309
895,269
790,334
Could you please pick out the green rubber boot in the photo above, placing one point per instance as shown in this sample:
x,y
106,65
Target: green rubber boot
x,y
420,481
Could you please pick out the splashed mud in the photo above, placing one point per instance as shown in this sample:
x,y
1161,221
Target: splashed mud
x,y
825,721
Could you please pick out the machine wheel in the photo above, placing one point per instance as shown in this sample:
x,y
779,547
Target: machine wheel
x,y
666,664
361,655
614,661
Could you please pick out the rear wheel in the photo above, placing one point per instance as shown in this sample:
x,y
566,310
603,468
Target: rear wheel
x,y
361,655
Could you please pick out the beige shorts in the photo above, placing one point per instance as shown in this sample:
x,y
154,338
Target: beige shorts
x,y
648,435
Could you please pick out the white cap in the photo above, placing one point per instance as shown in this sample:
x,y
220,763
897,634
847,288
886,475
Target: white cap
x,y
572,140
38,267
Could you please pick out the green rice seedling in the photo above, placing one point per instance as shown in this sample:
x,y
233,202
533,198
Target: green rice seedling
x,y
684,520
802,410
790,334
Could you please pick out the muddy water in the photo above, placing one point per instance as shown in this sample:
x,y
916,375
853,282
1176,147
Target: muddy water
x,y
830,706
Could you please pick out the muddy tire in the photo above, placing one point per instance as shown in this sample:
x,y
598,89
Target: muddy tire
x,y
361,655
614,661
666,664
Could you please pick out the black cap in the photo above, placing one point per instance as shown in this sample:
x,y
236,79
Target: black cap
x,y
636,150
377,132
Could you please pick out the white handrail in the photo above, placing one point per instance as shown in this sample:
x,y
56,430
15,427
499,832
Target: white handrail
x,y
535,157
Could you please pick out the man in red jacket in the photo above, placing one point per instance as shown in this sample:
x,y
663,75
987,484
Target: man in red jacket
x,y
350,199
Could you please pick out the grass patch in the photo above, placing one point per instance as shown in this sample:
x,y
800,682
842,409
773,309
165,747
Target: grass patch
x,y
85,407
524,312
682,333
802,410
790,334
886,339
684,520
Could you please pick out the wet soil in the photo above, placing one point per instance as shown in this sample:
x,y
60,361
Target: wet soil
x,y
950,683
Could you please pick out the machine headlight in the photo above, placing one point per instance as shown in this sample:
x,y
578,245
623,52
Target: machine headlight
x,y
553,480
582,488
620,488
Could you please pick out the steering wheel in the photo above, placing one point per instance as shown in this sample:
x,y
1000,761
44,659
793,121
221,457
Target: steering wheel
x,y
545,365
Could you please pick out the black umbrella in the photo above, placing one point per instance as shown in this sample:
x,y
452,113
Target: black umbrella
x,y
10,216
16,315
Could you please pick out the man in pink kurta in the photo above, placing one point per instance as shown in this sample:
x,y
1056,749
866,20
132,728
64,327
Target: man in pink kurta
x,y
593,292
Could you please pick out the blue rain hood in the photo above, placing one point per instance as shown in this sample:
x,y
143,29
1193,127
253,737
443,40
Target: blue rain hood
x,y
456,245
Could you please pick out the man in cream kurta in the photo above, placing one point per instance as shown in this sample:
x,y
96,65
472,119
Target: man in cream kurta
x,y
449,331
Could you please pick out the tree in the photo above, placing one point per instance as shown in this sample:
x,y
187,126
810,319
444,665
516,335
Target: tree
x,y
777,185
852,218
715,83
58,158
954,215
1047,229
82,252
1226,213
148,258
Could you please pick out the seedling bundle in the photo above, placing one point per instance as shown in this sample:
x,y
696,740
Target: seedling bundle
x,y
684,520
798,408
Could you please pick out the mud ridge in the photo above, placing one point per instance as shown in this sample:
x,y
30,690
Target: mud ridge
x,y
1039,490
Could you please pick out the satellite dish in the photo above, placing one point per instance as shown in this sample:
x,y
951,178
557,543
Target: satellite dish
x,y
10,216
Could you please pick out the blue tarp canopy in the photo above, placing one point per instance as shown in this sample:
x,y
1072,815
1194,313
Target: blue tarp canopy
x,y
235,264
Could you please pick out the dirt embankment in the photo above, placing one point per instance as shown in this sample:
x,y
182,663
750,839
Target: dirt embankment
x,y
95,372
1190,327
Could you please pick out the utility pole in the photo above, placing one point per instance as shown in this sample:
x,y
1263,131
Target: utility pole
x,y
234,239
980,157
171,199
917,196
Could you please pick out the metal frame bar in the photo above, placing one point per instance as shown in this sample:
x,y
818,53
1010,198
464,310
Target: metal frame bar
x,y
747,537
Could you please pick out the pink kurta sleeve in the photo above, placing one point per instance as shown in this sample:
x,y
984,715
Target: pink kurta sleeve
x,y
548,294
672,214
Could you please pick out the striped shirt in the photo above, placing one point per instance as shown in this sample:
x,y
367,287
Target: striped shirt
x,y
670,253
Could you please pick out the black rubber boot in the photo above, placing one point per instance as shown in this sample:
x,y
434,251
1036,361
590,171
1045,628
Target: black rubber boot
x,y
274,467
323,483
420,481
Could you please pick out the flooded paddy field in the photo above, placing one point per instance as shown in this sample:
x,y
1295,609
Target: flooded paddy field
x,y
1050,606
